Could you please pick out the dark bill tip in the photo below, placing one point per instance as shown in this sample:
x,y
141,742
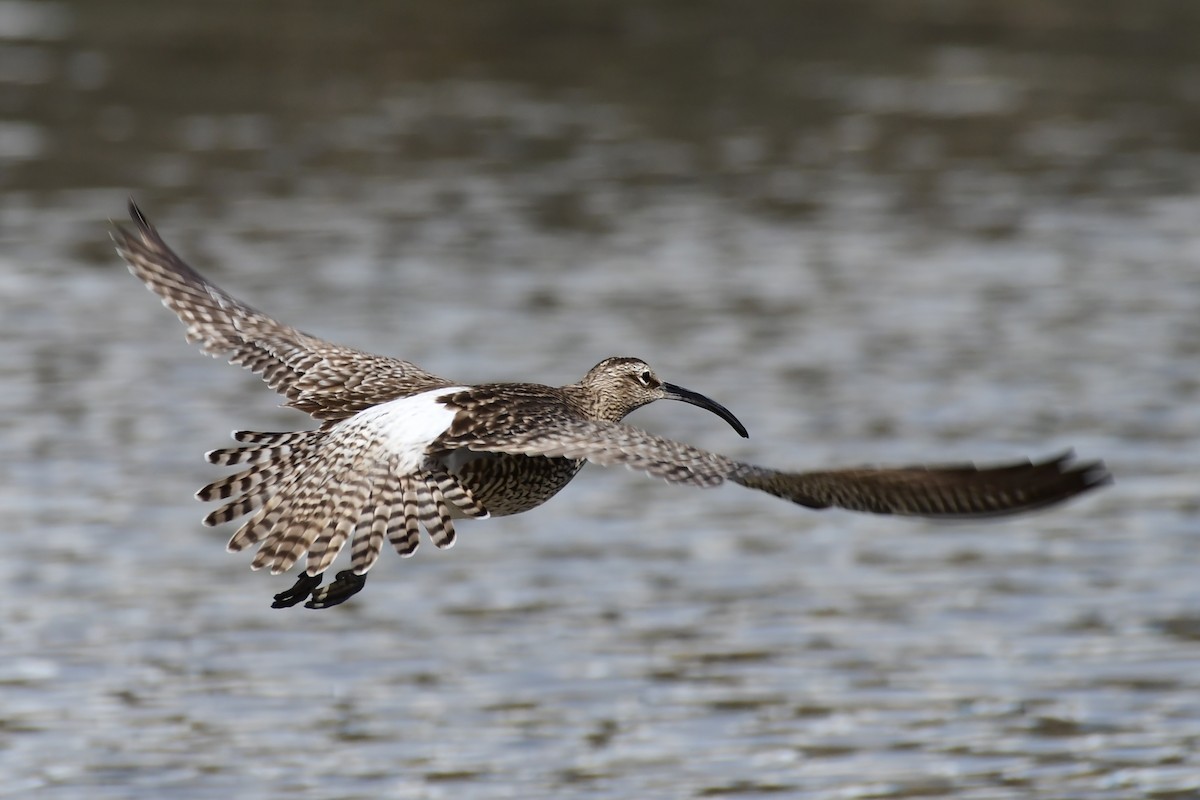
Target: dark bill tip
x,y
673,392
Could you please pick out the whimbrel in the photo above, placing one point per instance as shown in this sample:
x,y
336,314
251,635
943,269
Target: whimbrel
x,y
400,449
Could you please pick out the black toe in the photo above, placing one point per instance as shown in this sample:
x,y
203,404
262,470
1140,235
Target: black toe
x,y
304,586
345,585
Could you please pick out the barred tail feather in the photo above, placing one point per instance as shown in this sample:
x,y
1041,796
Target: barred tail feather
x,y
458,495
322,522
257,527
367,543
383,503
236,508
303,517
348,507
324,512
252,487
262,480
434,514
263,447
246,503
404,530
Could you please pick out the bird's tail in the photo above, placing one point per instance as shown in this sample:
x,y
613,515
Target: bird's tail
x,y
308,495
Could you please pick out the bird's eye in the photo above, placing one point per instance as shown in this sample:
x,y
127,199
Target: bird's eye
x,y
646,377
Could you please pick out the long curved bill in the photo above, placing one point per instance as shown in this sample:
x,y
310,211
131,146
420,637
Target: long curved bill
x,y
673,392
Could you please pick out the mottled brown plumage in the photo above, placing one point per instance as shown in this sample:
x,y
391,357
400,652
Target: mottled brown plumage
x,y
400,449
326,380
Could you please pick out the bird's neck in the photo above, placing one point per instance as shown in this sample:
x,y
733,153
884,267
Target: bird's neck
x,y
594,403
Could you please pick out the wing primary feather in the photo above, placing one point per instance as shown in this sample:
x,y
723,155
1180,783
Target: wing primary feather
x,y
325,380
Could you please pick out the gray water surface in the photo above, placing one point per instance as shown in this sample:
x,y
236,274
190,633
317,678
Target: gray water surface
x,y
877,232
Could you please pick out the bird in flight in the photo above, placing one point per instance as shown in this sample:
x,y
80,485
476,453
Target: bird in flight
x,y
399,449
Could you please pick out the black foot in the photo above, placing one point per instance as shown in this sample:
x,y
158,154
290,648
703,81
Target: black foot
x,y
345,585
304,586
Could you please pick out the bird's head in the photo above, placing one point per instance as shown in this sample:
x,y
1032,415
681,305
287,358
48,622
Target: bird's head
x,y
620,385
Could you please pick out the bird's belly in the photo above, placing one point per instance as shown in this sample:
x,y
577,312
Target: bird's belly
x,y
510,484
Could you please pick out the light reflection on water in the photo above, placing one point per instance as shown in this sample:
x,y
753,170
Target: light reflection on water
x,y
927,251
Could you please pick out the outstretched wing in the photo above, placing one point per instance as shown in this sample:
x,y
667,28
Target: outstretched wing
x,y
947,491
943,491
326,380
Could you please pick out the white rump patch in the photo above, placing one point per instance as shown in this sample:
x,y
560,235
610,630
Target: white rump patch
x,y
404,427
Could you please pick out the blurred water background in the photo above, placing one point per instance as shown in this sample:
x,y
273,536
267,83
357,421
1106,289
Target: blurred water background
x,y
877,231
